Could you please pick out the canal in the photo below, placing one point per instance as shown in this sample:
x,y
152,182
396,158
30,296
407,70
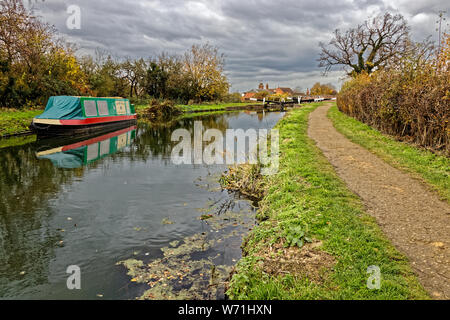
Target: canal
x,y
118,208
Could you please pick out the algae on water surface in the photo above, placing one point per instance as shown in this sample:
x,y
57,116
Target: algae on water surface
x,y
195,267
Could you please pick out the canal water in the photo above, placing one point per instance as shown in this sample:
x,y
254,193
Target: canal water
x,y
118,208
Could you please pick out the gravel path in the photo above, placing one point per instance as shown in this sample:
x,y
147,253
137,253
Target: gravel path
x,y
410,215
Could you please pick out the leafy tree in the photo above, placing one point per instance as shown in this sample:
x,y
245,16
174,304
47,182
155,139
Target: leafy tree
x,y
156,80
105,76
62,74
204,67
323,89
234,97
34,65
262,94
177,84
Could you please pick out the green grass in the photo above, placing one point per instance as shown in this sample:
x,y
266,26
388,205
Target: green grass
x,y
203,114
307,192
15,121
17,141
202,107
209,107
424,165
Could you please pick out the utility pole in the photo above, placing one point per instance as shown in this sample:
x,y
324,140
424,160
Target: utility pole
x,y
439,29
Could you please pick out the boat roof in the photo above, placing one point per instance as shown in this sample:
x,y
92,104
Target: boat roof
x,y
70,107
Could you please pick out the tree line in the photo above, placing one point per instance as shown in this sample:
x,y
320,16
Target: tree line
x,y
319,89
35,64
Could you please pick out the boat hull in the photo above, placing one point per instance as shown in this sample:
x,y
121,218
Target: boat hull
x,y
51,130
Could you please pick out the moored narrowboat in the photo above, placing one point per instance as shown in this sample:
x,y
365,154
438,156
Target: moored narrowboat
x,y
66,115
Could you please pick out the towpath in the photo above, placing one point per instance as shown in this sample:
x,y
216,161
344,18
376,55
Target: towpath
x,y
415,220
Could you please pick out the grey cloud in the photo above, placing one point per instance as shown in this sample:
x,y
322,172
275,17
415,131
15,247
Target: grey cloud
x,y
270,41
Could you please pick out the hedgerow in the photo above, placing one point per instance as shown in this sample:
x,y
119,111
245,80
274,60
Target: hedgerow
x,y
410,101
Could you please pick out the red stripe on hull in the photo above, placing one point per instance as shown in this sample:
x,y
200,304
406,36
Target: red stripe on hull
x,y
97,139
96,120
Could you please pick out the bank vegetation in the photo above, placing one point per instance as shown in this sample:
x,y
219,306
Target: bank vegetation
x,y
410,101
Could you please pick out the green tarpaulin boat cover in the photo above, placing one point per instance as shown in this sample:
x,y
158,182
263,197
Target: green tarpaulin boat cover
x,y
63,107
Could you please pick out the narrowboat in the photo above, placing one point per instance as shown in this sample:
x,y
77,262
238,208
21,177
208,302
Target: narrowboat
x,y
76,153
66,115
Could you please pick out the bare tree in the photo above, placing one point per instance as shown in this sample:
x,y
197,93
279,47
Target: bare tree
x,y
134,72
376,43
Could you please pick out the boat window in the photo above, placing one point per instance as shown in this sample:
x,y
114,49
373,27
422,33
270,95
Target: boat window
x,y
105,147
92,152
102,108
122,141
128,107
90,108
120,107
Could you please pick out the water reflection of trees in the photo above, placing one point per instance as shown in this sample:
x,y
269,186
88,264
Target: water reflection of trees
x,y
154,140
27,242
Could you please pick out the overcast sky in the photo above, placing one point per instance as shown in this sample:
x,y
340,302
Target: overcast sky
x,y
270,41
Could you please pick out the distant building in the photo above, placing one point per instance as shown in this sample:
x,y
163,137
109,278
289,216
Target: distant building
x,y
249,95
287,91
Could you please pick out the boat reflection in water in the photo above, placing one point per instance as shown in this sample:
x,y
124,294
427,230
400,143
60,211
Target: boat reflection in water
x,y
72,154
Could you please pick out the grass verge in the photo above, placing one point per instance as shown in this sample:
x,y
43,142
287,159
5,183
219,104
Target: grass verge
x,y
212,107
16,122
17,141
422,164
200,107
307,202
